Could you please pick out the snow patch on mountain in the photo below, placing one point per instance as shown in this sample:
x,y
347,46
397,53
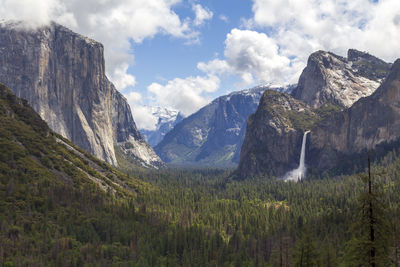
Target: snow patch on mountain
x,y
166,119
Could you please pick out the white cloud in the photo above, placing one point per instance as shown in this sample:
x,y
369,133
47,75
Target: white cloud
x,y
297,28
250,52
111,22
300,27
215,67
252,56
186,95
38,13
224,18
144,118
121,78
202,14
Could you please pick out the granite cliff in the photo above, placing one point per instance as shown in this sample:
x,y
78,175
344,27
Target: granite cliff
x,y
329,78
336,98
62,76
274,134
370,123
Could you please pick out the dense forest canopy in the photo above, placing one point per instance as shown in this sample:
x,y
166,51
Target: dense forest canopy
x,y
61,206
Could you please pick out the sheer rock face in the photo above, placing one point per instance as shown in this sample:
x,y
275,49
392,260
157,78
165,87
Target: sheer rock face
x,y
62,75
371,121
337,140
329,78
213,135
274,135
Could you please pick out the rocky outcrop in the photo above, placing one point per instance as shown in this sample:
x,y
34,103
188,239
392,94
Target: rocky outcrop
x,y
339,139
62,75
213,135
369,123
274,135
329,78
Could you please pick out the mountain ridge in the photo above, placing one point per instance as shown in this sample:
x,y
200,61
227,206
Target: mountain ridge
x,y
213,135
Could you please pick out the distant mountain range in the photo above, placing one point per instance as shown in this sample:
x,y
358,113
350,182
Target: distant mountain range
x,y
167,118
213,135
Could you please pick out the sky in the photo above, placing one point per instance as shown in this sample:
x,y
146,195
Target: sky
x,y
182,54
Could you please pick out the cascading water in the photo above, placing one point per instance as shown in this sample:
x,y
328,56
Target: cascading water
x,y
300,172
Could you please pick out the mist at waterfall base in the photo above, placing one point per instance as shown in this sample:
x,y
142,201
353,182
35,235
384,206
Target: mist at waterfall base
x,y
300,172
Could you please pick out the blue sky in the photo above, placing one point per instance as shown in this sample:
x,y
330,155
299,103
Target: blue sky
x,y
180,54
165,57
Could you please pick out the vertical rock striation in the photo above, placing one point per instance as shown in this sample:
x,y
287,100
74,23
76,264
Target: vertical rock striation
x,y
62,75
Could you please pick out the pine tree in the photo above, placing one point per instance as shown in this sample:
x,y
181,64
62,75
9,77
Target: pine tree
x,y
369,245
305,253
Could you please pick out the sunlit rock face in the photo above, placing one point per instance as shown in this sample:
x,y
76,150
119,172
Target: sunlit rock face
x,y
329,78
62,75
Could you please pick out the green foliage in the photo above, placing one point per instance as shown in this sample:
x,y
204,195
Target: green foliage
x,y
371,219
327,109
305,253
60,206
302,120
306,120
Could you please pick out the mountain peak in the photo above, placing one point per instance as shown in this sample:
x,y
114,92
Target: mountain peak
x,y
329,78
167,118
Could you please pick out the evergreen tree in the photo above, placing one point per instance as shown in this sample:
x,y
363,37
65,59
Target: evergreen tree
x,y
305,253
369,245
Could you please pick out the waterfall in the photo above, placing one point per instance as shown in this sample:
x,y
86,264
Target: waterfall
x,y
299,173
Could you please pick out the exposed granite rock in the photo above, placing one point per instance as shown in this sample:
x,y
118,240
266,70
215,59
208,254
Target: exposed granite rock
x,y
329,78
370,122
213,135
339,138
274,135
62,75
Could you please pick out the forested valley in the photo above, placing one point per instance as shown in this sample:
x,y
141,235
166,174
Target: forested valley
x,y
52,215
